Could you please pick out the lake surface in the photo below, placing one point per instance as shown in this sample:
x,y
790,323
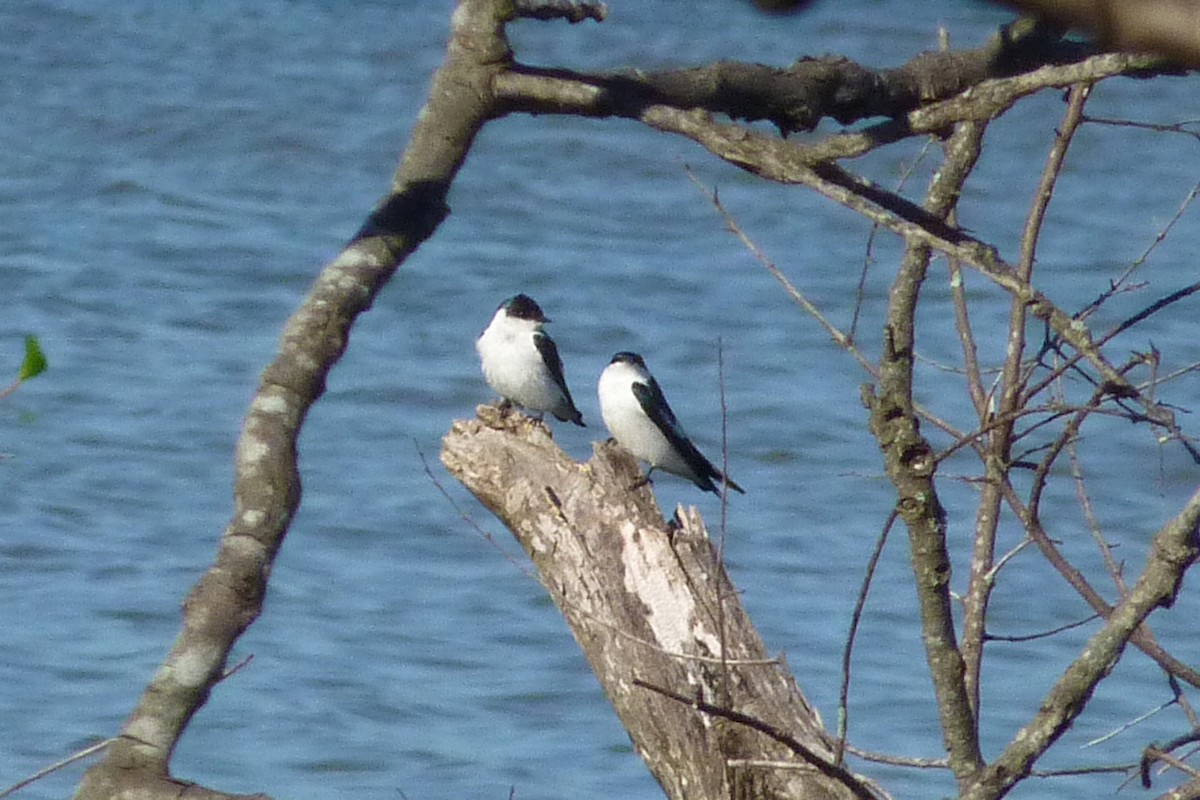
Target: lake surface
x,y
175,175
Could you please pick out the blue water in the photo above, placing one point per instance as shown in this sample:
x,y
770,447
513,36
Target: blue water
x,y
174,176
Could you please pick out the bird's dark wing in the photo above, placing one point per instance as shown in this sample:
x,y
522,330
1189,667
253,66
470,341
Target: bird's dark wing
x,y
654,403
549,351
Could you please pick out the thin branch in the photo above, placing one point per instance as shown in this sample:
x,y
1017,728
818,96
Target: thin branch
x,y
1175,547
1181,698
988,515
1153,308
1142,638
827,768
1131,723
55,767
1070,772
839,338
868,258
1184,126
966,338
1089,516
1160,237
898,761
236,668
483,412
1009,556
1029,637
847,650
724,687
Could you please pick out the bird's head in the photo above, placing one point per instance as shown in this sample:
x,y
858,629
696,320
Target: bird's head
x,y
522,306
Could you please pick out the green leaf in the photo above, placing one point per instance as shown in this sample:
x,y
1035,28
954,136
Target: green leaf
x,y
35,360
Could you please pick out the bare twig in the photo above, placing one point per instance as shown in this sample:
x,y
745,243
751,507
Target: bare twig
x,y
1140,718
848,649
1029,637
839,338
236,668
1160,237
1183,126
483,412
1089,516
55,767
897,761
725,690
827,768
1174,549
868,254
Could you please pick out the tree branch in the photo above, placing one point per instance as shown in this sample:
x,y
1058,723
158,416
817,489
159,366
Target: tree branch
x,y
910,465
925,96
832,770
1143,638
641,596
1176,547
228,597
997,460
570,10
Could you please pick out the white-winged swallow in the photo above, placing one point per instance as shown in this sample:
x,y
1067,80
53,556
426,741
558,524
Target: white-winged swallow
x,y
521,362
640,419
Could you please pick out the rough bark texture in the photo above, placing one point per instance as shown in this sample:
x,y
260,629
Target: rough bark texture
x,y
228,597
798,97
911,465
647,600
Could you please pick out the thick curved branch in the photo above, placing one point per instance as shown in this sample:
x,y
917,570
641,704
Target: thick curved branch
x,y
910,464
924,96
983,102
228,597
641,597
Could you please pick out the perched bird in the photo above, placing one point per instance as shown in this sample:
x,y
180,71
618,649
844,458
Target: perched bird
x,y
521,363
639,418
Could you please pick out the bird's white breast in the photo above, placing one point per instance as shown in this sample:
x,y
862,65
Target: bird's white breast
x,y
628,423
513,366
